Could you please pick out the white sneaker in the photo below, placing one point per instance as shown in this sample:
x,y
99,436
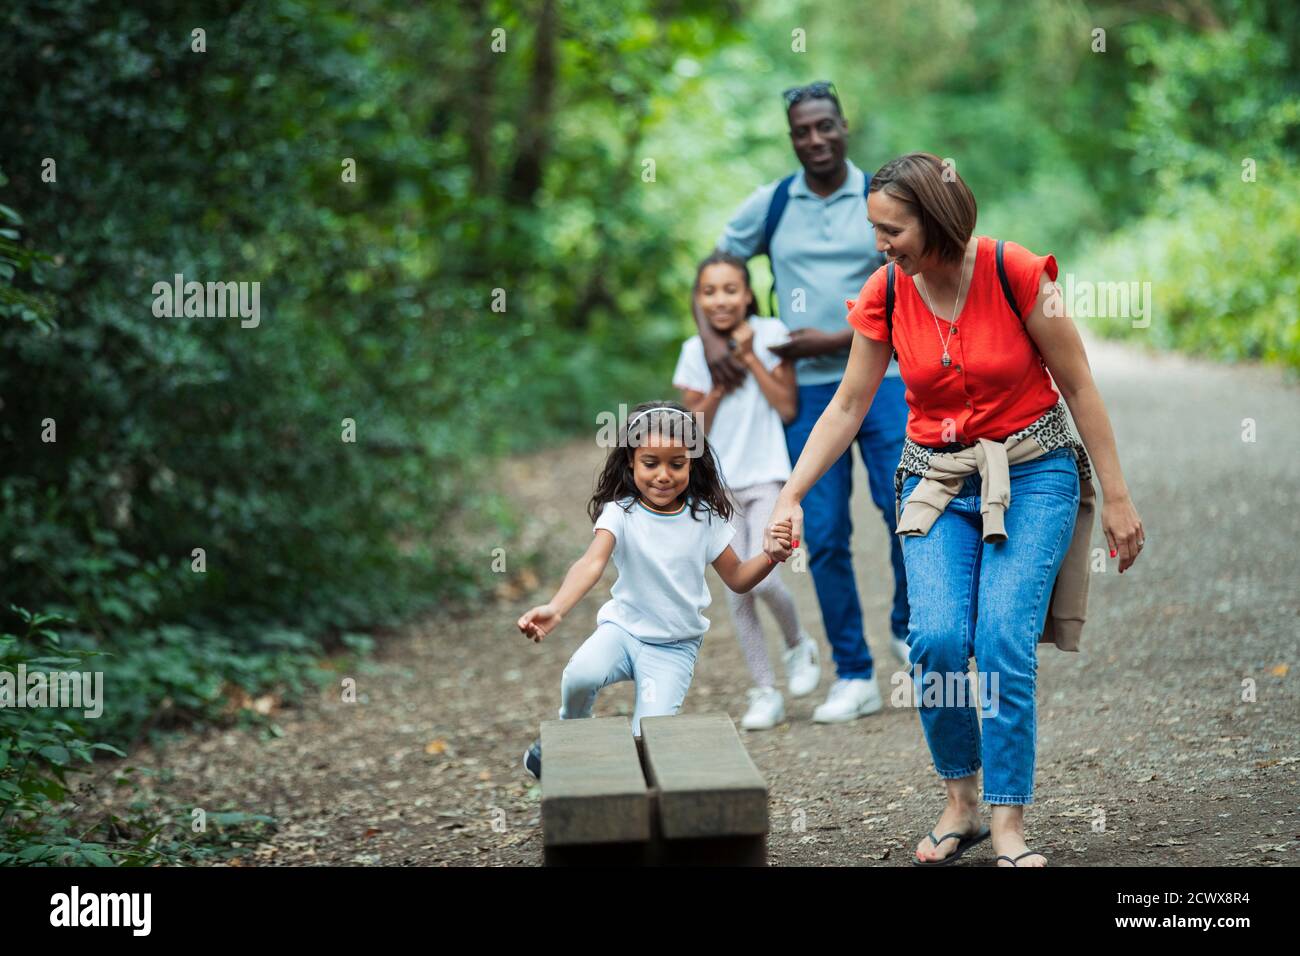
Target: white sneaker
x,y
803,666
848,700
901,651
766,709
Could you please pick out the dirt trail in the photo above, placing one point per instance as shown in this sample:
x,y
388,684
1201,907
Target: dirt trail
x,y
1147,753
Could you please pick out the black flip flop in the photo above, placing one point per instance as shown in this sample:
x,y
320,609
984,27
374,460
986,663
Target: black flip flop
x,y
964,842
1015,862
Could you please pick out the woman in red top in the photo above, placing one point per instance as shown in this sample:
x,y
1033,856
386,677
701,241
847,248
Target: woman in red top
x,y
973,370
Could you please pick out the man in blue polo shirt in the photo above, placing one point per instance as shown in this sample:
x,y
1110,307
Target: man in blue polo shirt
x,y
822,250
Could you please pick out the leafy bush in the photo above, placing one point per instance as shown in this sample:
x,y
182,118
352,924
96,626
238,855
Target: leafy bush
x,y
130,440
1224,267
38,751
42,750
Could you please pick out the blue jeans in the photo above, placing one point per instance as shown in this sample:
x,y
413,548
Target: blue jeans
x,y
827,525
989,600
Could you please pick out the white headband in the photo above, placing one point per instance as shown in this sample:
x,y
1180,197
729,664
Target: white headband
x,y
659,408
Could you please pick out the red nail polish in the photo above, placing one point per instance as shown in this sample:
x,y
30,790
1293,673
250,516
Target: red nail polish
x,y
795,544
1113,553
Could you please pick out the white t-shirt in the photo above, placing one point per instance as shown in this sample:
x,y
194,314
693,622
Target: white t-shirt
x,y
661,591
746,432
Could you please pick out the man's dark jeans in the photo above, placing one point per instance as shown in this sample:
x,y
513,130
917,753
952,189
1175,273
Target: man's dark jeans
x,y
827,525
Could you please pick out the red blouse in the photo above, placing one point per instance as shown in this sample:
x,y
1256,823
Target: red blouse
x,y
997,382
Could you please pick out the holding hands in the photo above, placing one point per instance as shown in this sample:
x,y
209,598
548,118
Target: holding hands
x,y
778,540
784,530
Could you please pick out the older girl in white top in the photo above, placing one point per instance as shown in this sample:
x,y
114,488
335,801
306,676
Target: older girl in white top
x,y
745,428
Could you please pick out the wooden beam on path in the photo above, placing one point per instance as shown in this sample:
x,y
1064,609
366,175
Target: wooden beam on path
x,y
711,800
686,792
595,805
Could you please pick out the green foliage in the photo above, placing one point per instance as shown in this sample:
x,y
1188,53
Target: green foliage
x,y
130,440
1216,124
1224,267
33,307
39,748
43,748
501,269
176,434
1211,100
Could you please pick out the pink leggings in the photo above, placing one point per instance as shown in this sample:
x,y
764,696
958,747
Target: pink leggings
x,y
756,503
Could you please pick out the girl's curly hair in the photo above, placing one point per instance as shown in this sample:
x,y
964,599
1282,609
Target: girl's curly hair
x,y
705,489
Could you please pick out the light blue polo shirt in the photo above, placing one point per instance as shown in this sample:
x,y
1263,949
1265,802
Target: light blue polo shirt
x,y
824,247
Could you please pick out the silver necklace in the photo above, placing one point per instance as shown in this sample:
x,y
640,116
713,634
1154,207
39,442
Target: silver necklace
x,y
947,360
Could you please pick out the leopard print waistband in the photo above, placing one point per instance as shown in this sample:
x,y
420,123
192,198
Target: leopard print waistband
x,y
1052,431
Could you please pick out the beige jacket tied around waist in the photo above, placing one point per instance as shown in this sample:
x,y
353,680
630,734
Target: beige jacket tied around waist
x,y
942,482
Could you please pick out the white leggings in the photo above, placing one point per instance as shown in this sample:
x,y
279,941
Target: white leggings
x,y
756,503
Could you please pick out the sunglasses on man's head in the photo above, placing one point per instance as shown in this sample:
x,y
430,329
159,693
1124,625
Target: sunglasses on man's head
x,y
821,90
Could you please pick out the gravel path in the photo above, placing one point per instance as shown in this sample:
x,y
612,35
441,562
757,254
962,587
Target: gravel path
x,y
1147,752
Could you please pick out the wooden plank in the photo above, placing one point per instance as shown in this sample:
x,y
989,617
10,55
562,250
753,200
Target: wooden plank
x,y
707,785
593,790
744,850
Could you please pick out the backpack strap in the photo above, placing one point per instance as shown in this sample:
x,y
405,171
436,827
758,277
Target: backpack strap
x,y
1006,283
889,300
889,293
775,209
1006,293
889,305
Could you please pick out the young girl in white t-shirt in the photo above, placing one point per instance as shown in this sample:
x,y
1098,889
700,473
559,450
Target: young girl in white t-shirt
x,y
746,428
662,512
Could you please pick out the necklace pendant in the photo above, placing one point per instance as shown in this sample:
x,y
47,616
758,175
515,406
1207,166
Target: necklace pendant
x,y
946,360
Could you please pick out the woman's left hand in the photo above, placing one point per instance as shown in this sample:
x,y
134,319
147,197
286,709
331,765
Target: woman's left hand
x,y
1123,529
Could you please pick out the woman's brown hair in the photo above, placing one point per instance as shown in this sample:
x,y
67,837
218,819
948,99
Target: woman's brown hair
x,y
937,194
